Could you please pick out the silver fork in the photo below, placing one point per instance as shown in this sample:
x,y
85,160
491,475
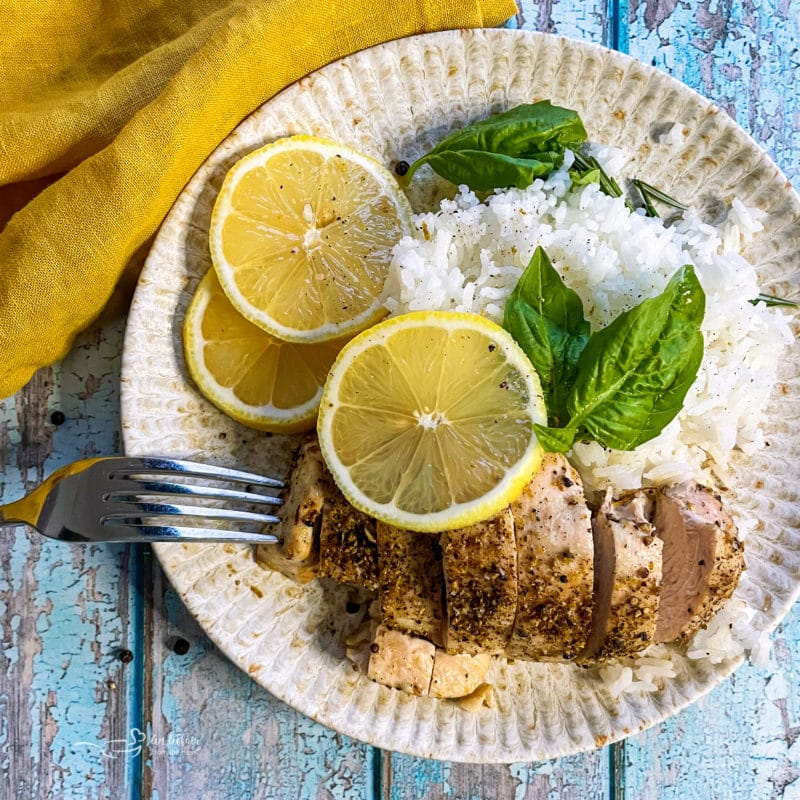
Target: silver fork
x,y
121,499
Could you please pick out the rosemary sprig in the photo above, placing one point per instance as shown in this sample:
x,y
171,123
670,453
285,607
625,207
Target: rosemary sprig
x,y
584,165
587,164
607,184
650,193
649,208
772,300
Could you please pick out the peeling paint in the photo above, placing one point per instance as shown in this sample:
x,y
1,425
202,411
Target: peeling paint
x,y
575,20
65,606
715,22
655,13
288,755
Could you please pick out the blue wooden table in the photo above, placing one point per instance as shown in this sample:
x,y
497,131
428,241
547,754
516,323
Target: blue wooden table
x,y
108,689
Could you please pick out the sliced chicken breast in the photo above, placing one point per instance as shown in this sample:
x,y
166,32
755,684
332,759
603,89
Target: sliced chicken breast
x,y
322,534
480,575
348,543
703,558
308,483
627,577
411,581
555,571
401,661
457,675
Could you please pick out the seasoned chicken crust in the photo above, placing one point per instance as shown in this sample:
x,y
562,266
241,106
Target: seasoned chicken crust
x,y
480,575
555,565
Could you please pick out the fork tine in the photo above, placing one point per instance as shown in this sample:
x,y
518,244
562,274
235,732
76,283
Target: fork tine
x,y
133,512
129,467
211,492
171,533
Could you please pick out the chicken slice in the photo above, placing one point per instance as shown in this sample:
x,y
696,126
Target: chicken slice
x,y
480,575
297,554
703,558
348,543
401,661
554,565
457,675
411,581
627,577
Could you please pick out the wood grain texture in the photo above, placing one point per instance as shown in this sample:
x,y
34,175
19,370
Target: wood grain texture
x,y
591,21
579,777
65,697
214,733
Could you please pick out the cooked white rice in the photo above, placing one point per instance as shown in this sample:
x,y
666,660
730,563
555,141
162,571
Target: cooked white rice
x,y
468,255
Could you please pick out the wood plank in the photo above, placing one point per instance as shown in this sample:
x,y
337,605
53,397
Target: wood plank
x,y
214,733
65,610
740,741
579,777
592,21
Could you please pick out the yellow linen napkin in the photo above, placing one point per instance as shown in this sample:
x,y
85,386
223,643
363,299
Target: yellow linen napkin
x,y
111,107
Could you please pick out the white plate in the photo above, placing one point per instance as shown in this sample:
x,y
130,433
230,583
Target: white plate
x,y
393,102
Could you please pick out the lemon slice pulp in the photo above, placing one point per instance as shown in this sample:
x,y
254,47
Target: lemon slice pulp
x,y
253,377
426,420
301,237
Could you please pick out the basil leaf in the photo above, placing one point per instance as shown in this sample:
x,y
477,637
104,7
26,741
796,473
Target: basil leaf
x,y
521,131
483,171
585,178
546,320
634,374
555,440
538,132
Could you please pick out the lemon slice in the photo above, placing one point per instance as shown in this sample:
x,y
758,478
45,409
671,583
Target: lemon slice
x,y
426,420
253,377
301,237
